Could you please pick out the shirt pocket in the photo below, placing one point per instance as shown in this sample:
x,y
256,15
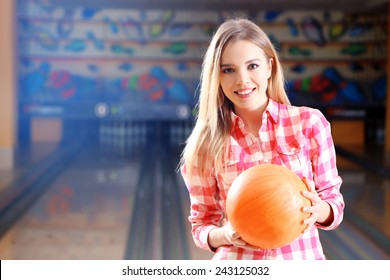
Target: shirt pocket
x,y
292,155
230,172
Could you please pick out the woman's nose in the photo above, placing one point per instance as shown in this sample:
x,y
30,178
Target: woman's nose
x,y
241,77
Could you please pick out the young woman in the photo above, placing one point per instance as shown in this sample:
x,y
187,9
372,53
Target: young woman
x,y
245,118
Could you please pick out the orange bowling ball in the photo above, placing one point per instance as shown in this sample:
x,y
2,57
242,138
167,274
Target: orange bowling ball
x,y
265,205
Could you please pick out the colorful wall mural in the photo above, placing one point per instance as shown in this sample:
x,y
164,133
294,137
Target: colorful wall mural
x,y
151,59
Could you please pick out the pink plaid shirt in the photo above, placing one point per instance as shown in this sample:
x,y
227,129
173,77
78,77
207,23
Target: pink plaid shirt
x,y
296,137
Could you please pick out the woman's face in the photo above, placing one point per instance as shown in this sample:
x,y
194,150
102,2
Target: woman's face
x,y
244,74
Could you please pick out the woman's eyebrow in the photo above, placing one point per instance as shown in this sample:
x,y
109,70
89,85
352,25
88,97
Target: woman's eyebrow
x,y
252,60
225,65
247,62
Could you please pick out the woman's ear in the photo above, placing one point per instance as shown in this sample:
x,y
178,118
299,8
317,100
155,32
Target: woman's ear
x,y
270,65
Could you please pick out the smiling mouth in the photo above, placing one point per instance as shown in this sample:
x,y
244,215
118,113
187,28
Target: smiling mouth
x,y
244,91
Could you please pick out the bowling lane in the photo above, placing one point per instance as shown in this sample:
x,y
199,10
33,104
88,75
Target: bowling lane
x,y
365,232
367,188
110,202
159,226
83,215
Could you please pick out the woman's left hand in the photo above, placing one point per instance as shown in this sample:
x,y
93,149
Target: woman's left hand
x,y
318,208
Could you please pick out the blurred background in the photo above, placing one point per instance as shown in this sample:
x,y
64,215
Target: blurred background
x,y
97,99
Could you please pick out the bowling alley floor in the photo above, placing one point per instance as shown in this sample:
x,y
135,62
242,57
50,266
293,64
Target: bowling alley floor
x,y
366,188
106,205
103,205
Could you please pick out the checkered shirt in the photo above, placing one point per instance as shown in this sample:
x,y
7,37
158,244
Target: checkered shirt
x,y
296,137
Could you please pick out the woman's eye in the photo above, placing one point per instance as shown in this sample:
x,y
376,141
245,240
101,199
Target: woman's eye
x,y
253,66
227,70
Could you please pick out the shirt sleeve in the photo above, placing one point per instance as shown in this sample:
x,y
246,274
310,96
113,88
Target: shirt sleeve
x,y
325,172
206,212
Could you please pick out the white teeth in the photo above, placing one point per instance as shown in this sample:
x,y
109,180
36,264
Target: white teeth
x,y
244,92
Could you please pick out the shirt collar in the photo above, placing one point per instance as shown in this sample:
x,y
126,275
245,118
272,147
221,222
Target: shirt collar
x,y
272,111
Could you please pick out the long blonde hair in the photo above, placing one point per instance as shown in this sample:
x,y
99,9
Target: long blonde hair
x,y
207,144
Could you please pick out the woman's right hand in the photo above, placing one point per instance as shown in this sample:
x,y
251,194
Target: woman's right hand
x,y
226,235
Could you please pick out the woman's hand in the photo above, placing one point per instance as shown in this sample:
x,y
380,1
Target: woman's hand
x,y
226,235
319,210
235,239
